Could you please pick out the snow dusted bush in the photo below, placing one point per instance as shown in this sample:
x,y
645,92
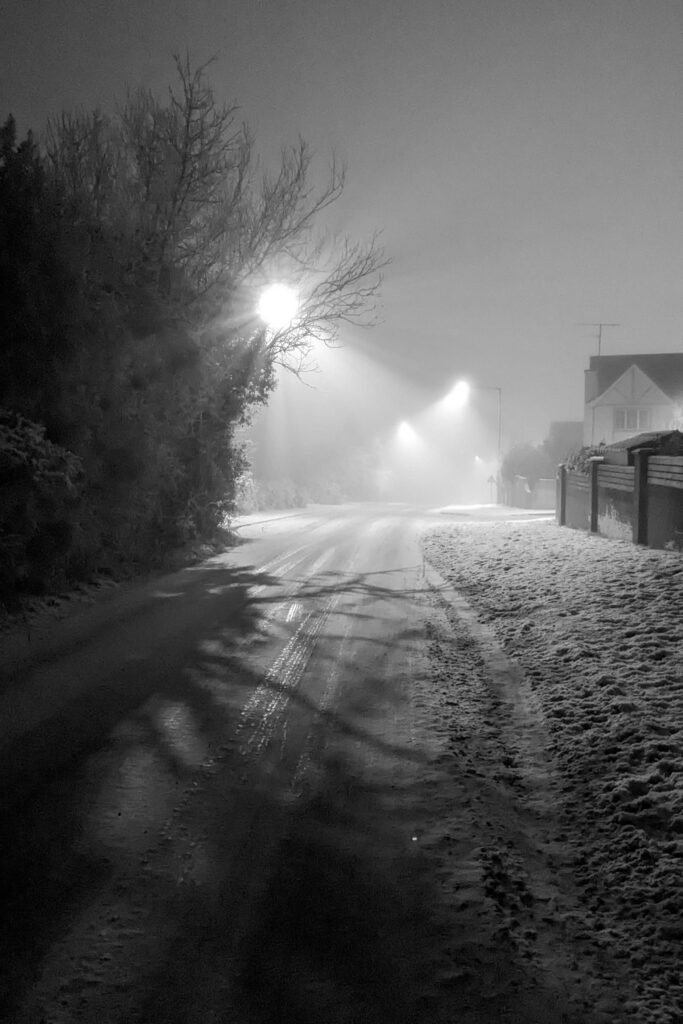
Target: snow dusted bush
x,y
579,462
40,483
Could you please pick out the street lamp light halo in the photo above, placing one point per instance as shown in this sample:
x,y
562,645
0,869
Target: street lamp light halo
x,y
407,435
278,306
458,395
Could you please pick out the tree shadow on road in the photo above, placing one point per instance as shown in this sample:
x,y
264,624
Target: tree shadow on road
x,y
325,915
344,933
47,869
311,902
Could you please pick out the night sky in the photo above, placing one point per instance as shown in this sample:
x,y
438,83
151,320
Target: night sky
x,y
523,160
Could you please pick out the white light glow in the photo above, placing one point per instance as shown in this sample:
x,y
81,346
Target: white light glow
x,y
407,435
278,306
458,395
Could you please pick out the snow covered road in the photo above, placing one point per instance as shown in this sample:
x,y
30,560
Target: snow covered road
x,y
317,778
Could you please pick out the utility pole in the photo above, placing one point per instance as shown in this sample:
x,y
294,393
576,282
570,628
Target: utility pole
x,y
599,326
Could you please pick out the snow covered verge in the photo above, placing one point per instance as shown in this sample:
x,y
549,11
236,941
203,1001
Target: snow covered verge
x,y
595,625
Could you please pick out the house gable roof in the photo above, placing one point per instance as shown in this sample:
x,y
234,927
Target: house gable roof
x,y
634,387
664,369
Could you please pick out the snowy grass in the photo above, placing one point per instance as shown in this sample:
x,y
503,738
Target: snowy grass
x,y
596,626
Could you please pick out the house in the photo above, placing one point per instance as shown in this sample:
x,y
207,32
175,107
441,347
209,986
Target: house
x,y
632,394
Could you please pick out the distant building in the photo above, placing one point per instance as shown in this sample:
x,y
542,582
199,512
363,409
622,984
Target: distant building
x,y
632,394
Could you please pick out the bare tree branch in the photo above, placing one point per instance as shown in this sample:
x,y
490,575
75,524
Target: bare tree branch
x,y
178,184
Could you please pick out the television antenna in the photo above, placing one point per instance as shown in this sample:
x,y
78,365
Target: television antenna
x,y
599,326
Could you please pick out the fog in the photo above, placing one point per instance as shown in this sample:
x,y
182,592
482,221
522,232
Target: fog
x,y
521,161
360,430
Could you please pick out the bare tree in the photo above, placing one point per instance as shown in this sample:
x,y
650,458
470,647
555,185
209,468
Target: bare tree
x,y
178,184
179,229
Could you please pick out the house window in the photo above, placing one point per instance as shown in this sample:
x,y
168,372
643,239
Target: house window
x,y
631,418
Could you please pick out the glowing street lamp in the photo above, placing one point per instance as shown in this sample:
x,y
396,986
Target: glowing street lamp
x,y
459,395
407,435
278,306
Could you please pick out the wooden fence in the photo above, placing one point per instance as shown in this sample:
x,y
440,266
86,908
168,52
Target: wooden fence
x,y
642,502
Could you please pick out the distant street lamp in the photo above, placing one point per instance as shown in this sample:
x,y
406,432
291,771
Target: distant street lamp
x,y
459,394
407,435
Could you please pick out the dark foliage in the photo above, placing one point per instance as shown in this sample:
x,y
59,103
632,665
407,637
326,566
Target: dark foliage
x,y
132,249
530,461
41,486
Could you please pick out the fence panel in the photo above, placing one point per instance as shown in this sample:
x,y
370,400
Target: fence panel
x,y
615,501
651,512
578,501
616,478
665,501
665,471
